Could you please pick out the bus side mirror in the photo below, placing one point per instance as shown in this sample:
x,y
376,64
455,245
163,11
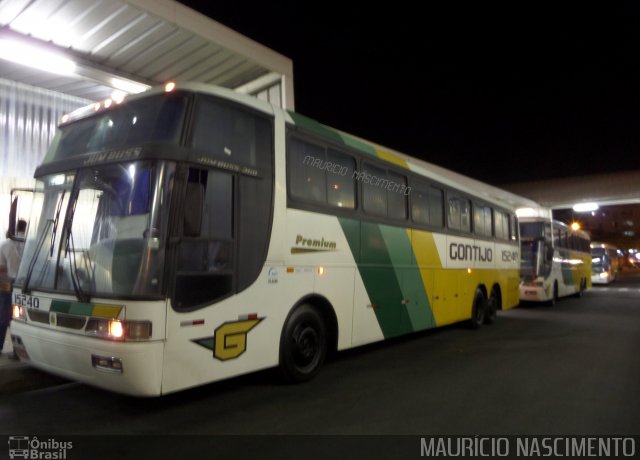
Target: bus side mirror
x,y
19,207
549,253
194,200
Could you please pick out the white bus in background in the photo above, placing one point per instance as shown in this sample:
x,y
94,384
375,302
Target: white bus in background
x,y
555,260
605,263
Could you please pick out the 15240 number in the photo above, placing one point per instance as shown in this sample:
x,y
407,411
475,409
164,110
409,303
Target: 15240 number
x,y
27,300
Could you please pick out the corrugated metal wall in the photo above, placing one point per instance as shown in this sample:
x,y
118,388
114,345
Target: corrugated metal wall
x,y
28,119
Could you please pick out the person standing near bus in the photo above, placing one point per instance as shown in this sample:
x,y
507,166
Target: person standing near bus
x,y
10,255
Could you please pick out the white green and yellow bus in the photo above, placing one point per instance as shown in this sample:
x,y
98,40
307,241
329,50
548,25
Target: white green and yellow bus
x,y
605,263
190,234
556,260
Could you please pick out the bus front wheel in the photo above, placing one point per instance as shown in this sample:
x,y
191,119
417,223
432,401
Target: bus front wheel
x,y
303,345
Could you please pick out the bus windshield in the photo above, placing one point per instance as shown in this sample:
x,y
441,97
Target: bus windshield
x,y
532,230
529,259
157,119
599,258
99,231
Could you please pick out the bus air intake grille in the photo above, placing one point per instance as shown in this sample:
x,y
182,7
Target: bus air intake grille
x,y
38,316
61,319
71,322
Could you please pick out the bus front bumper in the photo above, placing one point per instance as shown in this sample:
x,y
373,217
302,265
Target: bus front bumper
x,y
133,368
600,278
533,294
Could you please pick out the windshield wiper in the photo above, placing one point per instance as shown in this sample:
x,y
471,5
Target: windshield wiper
x,y
55,223
34,258
70,247
73,268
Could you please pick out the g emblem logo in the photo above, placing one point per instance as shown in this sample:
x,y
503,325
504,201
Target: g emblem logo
x,y
230,339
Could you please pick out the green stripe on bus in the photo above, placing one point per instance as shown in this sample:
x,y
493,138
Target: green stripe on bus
x,y
390,275
60,306
415,296
358,145
332,134
85,309
315,127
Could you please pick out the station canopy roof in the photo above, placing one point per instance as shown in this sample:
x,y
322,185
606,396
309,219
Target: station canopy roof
x,y
122,44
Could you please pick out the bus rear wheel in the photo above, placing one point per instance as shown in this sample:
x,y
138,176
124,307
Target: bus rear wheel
x,y
479,310
303,345
492,307
582,288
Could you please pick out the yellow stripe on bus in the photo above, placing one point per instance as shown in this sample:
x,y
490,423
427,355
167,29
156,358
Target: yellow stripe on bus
x,y
391,158
106,311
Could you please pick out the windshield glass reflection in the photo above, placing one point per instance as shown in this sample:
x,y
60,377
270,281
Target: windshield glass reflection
x,y
99,232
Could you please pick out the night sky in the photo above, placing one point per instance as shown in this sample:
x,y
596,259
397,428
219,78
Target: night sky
x,y
502,93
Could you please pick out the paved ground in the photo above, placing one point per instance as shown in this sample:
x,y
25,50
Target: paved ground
x,y
570,369
16,376
573,369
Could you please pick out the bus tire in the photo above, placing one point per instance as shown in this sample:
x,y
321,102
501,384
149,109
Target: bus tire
x,y
303,344
583,286
554,298
492,307
479,310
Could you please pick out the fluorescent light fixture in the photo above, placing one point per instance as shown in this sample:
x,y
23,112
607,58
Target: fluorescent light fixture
x,y
128,86
526,212
585,207
57,180
118,96
37,58
532,212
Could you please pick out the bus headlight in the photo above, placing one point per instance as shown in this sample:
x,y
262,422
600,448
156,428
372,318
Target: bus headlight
x,y
18,312
118,330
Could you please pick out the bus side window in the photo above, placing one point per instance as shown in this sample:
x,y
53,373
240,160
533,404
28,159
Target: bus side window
x,y
341,190
396,196
193,212
307,180
374,198
459,216
205,269
454,214
500,225
482,221
513,228
321,176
